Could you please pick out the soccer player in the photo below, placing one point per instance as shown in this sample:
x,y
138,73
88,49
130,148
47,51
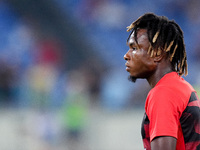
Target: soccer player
x,y
172,109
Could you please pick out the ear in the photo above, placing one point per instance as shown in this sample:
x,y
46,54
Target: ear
x,y
159,55
158,58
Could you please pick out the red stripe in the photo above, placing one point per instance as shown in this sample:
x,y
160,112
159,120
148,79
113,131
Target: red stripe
x,y
192,145
195,103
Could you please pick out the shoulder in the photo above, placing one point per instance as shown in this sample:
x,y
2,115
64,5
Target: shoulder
x,y
171,87
165,98
163,92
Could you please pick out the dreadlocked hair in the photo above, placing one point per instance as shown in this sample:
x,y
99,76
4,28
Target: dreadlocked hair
x,y
163,35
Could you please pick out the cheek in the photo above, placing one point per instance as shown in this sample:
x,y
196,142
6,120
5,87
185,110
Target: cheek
x,y
149,64
137,57
137,61
143,61
133,52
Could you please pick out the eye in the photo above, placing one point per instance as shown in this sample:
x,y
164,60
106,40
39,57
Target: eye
x,y
134,48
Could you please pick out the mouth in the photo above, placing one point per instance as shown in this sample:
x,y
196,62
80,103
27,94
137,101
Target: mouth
x,y
127,67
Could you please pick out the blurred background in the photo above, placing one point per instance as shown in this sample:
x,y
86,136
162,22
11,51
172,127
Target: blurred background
x,y
63,83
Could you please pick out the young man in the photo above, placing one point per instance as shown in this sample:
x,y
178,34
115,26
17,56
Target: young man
x,y
172,109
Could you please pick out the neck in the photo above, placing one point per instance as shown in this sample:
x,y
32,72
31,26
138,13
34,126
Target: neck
x,y
153,79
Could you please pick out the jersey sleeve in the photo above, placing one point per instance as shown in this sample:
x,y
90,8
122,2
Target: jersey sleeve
x,y
163,112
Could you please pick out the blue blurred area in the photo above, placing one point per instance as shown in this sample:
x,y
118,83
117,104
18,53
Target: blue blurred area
x,y
27,45
52,52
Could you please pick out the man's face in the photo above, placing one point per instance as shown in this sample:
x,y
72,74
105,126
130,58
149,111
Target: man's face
x,y
138,63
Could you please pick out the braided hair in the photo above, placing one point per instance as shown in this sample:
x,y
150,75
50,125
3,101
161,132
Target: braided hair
x,y
163,35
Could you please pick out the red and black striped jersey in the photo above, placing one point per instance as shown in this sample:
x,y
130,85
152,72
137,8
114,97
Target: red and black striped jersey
x,y
172,108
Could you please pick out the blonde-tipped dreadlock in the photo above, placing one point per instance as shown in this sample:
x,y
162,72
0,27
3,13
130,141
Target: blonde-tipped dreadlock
x,y
163,35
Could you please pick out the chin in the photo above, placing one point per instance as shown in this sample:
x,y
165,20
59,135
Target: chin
x,y
132,78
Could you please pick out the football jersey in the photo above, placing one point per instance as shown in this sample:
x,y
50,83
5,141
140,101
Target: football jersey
x,y
172,108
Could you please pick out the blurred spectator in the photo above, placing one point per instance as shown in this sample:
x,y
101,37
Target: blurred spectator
x,y
74,110
7,84
33,60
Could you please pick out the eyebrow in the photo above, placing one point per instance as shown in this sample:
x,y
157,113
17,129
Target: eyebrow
x,y
132,43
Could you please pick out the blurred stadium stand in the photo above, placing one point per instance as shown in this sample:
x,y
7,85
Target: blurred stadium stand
x,y
62,78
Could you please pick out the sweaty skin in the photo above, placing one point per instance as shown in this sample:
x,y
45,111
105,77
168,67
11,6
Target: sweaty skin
x,y
140,65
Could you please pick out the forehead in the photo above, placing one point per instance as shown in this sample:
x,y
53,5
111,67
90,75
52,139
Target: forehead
x,y
141,37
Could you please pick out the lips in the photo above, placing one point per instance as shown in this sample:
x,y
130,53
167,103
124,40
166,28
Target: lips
x,y
127,67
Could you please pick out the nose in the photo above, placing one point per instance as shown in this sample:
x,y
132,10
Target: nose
x,y
126,56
